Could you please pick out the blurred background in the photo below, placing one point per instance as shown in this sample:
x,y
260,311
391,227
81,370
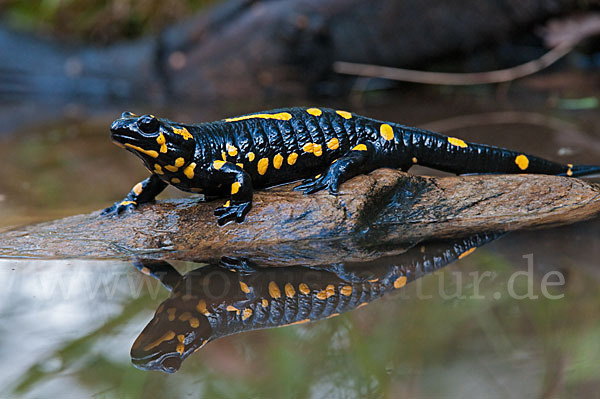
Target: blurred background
x,y
68,68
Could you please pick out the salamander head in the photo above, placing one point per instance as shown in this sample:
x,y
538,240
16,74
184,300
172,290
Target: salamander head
x,y
157,141
173,334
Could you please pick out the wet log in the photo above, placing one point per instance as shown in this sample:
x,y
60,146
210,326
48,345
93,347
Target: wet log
x,y
376,215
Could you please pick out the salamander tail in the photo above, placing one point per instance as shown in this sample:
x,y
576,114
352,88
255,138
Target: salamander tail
x,y
581,170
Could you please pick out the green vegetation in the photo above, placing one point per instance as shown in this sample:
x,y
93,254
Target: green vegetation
x,y
96,20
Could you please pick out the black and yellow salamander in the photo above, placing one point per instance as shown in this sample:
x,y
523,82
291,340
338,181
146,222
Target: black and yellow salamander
x,y
215,301
323,146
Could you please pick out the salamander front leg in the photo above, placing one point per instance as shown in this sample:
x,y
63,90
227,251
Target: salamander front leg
x,y
141,193
353,163
160,270
241,192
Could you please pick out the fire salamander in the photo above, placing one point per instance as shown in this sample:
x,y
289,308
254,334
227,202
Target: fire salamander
x,y
325,147
215,301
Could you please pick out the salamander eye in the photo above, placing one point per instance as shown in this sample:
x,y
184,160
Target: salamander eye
x,y
148,124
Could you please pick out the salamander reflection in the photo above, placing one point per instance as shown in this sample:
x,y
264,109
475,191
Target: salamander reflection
x,y
218,300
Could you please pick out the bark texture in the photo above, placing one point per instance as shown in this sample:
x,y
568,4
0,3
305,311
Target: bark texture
x,y
380,214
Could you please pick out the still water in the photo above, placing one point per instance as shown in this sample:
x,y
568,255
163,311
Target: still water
x,y
516,318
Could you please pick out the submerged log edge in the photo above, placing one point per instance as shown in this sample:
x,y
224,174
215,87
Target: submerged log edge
x,y
380,214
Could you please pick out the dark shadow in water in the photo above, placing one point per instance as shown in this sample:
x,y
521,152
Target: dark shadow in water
x,y
237,296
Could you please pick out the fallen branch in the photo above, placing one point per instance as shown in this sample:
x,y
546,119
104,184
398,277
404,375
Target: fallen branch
x,y
380,214
458,79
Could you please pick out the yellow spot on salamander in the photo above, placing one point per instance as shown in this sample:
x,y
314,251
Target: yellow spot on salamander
x,y
522,162
569,171
467,252
218,164
224,155
282,116
137,189
232,308
127,203
244,287
344,114
194,322
330,289
317,150
415,160
182,132
185,316
251,156
386,131
457,142
291,159
227,204
327,292
189,170
303,288
299,322
308,147
175,180
360,147
277,161
400,282
150,153
289,290
180,348
264,303
162,142
346,290
333,144
262,166
246,314
314,111
171,312
274,290
175,167
146,271
169,335
235,187
201,307
158,169
231,150
240,165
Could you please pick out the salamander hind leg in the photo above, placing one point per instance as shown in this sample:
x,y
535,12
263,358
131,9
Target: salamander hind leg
x,y
354,162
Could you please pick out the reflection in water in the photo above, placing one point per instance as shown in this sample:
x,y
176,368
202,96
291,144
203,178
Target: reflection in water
x,y
219,300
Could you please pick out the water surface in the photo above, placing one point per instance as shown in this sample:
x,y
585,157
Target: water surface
x,y
485,326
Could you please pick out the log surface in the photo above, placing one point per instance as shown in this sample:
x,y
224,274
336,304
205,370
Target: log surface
x,y
376,215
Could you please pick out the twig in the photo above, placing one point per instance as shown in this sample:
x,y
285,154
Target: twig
x,y
443,78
